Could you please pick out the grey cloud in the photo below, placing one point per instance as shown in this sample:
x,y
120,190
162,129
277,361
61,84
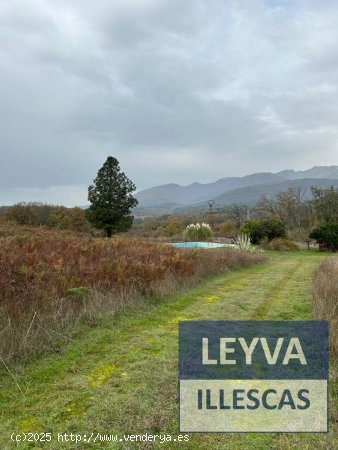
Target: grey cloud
x,y
178,91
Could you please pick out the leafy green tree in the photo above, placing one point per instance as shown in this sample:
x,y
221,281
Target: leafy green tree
x,y
260,230
327,236
111,199
22,213
273,229
325,203
254,229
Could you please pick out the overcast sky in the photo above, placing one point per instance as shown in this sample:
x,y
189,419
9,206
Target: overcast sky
x,y
177,90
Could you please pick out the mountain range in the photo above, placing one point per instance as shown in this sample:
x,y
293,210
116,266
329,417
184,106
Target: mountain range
x,y
244,190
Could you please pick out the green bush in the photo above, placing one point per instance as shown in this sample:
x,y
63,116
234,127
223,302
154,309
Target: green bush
x,y
326,236
264,230
254,230
281,244
197,232
22,213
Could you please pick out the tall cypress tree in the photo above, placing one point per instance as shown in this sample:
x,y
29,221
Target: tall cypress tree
x,y
111,199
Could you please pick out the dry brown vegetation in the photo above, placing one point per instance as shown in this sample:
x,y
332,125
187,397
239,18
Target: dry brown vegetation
x,y
280,244
325,297
52,279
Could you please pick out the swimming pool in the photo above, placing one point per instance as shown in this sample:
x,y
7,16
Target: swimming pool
x,y
200,245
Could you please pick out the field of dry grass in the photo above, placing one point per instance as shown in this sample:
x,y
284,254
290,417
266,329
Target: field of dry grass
x,y
52,279
325,297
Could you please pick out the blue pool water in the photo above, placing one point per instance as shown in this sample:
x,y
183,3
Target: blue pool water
x,y
197,244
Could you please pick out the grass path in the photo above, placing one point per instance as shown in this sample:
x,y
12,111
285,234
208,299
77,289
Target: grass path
x,y
121,376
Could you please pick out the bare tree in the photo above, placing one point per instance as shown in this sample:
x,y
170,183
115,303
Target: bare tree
x,y
239,214
286,207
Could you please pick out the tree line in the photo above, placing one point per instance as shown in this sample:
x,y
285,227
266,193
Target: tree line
x,y
111,202
41,214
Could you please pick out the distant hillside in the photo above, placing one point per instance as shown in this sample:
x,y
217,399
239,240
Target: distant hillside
x,y
328,172
247,189
250,195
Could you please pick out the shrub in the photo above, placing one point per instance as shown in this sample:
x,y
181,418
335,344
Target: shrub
x,y
228,229
261,230
254,229
327,236
197,232
173,227
243,243
68,218
325,297
281,244
21,213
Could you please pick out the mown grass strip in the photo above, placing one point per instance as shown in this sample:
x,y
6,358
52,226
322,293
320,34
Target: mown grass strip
x,y
121,376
